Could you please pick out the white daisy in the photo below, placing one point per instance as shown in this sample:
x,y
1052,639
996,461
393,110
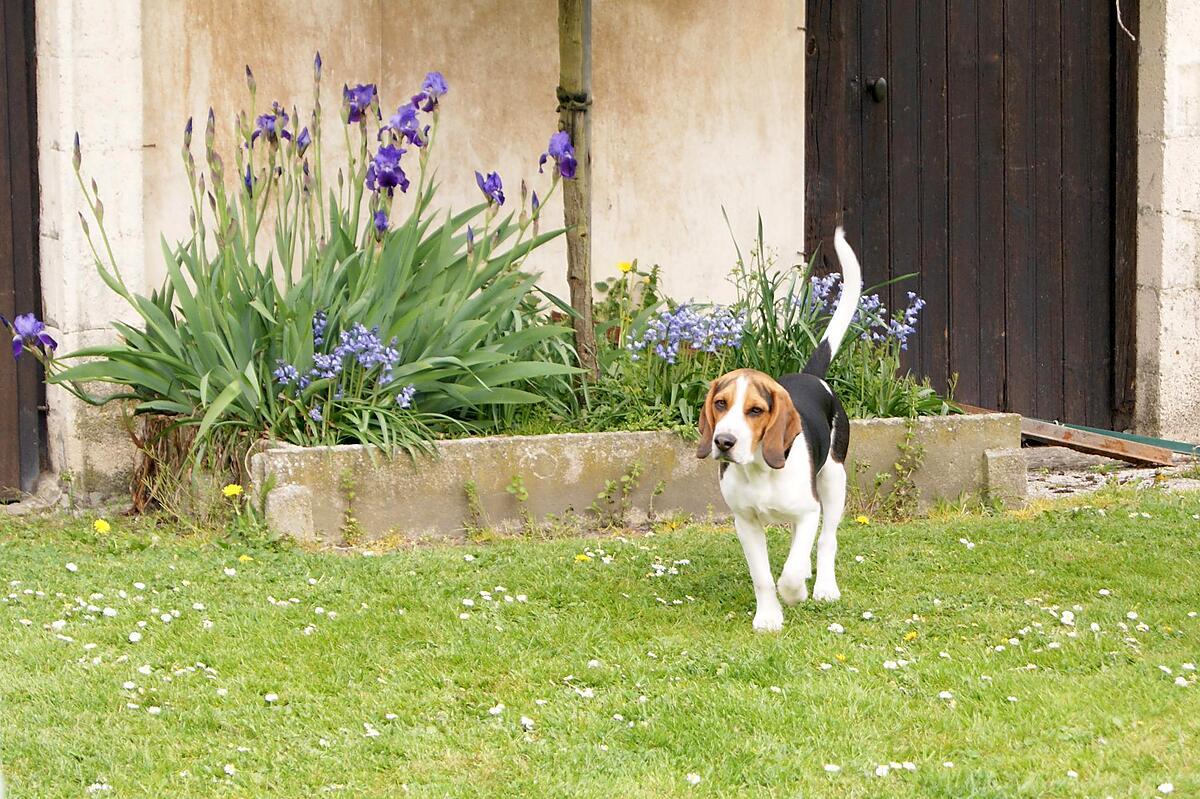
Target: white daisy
x,y
832,768
692,778
134,637
71,567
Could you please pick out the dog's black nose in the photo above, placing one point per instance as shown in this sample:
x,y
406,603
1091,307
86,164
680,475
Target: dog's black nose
x,y
724,441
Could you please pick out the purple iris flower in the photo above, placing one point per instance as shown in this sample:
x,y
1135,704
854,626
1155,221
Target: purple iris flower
x,y
248,181
432,88
28,331
563,153
272,125
381,222
303,141
384,173
404,124
491,187
536,203
317,65
358,100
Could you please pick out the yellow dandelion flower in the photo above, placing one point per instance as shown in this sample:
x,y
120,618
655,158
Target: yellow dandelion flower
x,y
582,558
839,657
911,635
625,267
862,519
101,526
232,490
244,558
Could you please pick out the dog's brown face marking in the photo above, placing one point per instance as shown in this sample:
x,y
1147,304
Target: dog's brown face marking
x,y
765,407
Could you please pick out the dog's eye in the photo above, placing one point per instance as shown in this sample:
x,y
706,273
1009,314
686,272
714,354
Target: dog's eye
x,y
755,412
720,405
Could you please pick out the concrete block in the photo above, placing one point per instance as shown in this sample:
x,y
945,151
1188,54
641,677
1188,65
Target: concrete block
x,y
565,475
1005,475
289,511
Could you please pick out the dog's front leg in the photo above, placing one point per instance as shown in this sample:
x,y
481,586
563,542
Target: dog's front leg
x,y
768,615
798,566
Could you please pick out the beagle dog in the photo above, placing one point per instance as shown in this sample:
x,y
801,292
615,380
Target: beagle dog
x,y
782,449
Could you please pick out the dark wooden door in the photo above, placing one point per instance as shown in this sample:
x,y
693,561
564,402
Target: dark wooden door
x,y
998,165
21,389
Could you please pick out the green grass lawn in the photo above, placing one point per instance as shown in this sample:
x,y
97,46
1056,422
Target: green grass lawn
x,y
412,672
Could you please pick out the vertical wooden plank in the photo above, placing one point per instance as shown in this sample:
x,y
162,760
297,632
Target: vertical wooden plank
x,y
1101,19
904,110
826,122
875,153
1019,261
962,39
1077,144
10,457
850,213
934,184
1125,104
993,364
23,155
1047,210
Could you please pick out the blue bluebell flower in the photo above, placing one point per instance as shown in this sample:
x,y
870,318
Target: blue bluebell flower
x,y
285,374
320,321
405,397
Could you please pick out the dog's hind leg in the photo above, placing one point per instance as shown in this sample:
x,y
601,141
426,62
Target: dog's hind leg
x,y
793,585
831,490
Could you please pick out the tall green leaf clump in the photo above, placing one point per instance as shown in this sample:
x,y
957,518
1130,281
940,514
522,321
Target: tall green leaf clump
x,y
298,309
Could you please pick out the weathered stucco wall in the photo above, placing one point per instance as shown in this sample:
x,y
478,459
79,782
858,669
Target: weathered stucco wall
x,y
698,106
1168,299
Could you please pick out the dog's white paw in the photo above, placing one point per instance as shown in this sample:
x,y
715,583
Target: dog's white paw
x,y
793,590
826,591
768,620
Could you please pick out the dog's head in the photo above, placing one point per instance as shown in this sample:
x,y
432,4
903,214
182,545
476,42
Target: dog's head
x,y
747,412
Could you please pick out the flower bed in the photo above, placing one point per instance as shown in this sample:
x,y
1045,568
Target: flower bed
x,y
350,493
317,312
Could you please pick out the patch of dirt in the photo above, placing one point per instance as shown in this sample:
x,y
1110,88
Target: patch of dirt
x,y
1058,471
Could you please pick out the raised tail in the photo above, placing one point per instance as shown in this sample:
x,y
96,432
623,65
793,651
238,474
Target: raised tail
x,y
843,315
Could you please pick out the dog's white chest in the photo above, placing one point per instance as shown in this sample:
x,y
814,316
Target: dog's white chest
x,y
772,495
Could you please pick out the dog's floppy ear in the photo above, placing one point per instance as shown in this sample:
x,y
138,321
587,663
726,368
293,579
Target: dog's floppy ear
x,y
782,427
708,421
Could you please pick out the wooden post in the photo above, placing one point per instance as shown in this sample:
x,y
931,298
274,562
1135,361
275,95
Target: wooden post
x,y
574,99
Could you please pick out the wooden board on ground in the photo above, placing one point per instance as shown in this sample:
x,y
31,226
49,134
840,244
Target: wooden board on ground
x,y
1086,441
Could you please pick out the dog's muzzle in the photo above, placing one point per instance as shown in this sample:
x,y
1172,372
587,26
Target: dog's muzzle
x,y
724,443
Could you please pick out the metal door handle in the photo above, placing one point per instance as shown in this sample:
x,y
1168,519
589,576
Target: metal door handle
x,y
877,87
